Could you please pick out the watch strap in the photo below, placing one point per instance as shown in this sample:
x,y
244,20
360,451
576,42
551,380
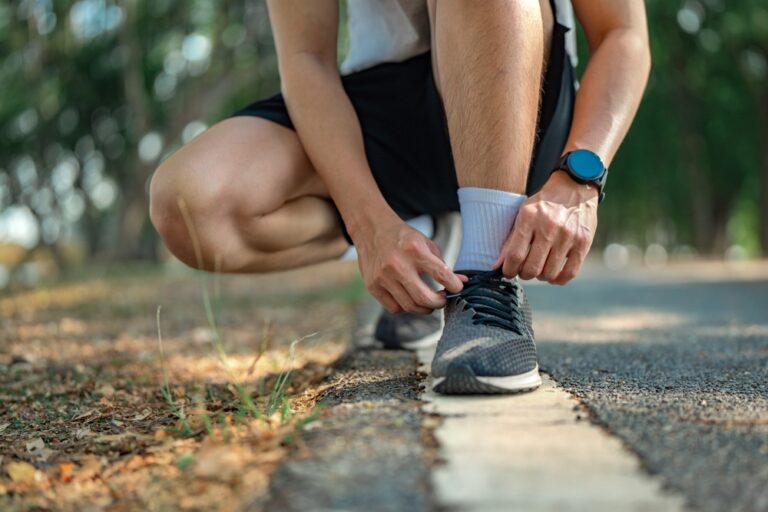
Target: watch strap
x,y
562,165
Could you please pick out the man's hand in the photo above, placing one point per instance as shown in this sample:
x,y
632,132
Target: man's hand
x,y
392,258
552,233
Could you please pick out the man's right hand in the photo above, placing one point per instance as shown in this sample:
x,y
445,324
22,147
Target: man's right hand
x,y
392,258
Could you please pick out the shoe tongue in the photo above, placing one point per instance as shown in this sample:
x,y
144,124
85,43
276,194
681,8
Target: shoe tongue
x,y
471,273
490,274
489,281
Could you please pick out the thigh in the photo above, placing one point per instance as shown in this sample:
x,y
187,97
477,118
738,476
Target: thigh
x,y
243,165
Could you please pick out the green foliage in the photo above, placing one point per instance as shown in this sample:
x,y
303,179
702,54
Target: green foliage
x,y
97,92
692,159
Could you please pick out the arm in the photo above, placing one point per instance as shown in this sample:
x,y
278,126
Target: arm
x,y
615,77
391,254
305,37
555,227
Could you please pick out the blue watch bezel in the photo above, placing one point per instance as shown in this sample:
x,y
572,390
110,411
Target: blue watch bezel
x,y
578,160
567,165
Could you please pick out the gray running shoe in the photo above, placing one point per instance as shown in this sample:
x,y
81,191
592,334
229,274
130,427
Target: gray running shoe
x,y
412,331
487,344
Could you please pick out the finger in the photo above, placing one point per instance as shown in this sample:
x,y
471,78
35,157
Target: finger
x,y
421,294
571,268
558,255
435,249
386,300
404,299
516,249
534,262
440,272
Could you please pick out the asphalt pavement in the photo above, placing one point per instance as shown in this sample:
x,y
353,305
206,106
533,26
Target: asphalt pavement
x,y
656,399
673,361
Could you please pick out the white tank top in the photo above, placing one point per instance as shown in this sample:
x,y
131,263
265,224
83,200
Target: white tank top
x,y
396,30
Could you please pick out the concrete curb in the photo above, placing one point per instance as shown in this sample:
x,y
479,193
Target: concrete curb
x,y
536,452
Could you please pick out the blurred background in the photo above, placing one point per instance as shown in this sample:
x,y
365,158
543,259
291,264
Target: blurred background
x,y
94,93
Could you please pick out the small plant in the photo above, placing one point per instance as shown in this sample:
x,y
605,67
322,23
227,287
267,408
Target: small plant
x,y
184,460
165,390
276,401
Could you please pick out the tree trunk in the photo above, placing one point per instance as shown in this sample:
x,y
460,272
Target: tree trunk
x,y
763,173
764,199
135,204
135,213
758,88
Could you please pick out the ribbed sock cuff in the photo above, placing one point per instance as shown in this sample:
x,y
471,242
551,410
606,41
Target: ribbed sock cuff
x,y
487,216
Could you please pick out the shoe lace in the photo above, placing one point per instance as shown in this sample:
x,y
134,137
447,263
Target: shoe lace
x,y
493,300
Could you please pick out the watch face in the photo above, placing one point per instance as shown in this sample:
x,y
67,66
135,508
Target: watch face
x,y
585,164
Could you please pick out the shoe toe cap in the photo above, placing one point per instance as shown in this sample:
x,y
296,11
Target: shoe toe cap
x,y
492,360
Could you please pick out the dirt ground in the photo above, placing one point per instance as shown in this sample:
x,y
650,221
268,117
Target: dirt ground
x,y
99,410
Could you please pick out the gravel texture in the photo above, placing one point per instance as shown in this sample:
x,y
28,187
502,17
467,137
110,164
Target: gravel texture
x,y
675,366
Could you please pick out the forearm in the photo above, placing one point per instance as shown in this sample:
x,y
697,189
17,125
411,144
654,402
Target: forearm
x,y
610,92
330,132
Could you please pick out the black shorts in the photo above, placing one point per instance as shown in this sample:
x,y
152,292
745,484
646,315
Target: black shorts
x,y
406,137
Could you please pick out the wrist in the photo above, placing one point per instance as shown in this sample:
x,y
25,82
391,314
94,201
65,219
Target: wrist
x,y
585,191
370,218
585,167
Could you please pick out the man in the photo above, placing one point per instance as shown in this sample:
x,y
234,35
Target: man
x,y
433,98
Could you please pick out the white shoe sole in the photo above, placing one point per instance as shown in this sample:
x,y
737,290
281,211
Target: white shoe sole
x,y
463,381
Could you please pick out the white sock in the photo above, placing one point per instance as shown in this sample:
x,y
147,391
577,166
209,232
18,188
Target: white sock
x,y
422,223
486,220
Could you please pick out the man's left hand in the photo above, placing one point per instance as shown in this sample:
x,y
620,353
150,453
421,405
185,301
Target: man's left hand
x,y
552,233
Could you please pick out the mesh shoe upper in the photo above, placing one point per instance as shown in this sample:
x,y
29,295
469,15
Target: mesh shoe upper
x,y
395,331
488,328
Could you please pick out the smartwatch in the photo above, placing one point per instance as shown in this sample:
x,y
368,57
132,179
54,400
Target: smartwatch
x,y
584,166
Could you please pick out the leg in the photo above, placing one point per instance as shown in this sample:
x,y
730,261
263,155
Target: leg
x,y
488,60
252,197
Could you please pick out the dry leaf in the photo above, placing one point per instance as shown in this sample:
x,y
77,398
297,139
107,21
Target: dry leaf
x,y
107,390
217,463
115,438
35,444
4,426
197,419
111,438
71,326
21,472
82,432
91,466
142,415
37,448
66,470
84,415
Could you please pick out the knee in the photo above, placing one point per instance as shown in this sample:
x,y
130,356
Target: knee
x,y
199,221
176,208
